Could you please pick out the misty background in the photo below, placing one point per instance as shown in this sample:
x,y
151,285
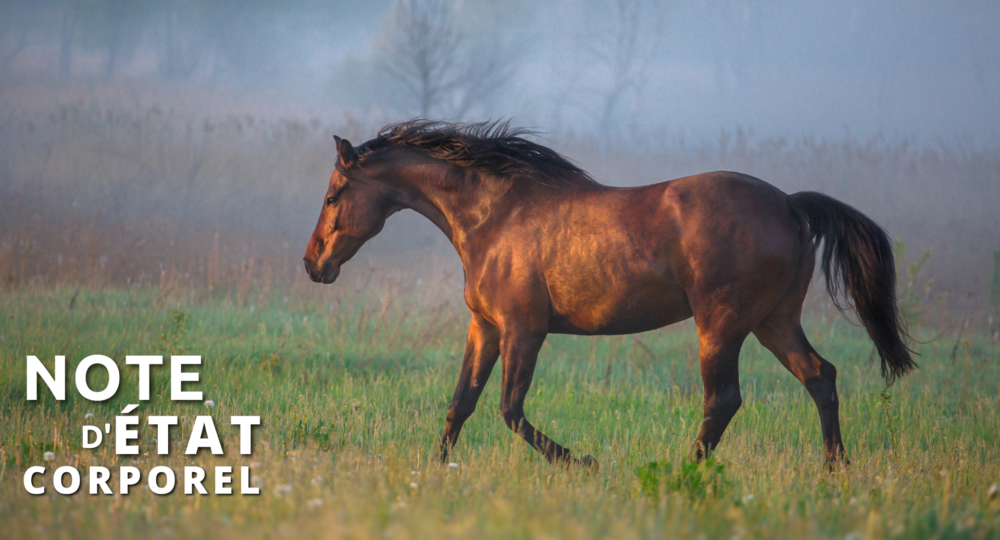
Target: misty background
x,y
140,138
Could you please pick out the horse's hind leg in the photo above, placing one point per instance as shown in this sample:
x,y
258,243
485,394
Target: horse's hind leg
x,y
782,334
720,374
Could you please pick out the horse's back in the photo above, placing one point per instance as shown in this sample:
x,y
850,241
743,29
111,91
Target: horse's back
x,y
639,258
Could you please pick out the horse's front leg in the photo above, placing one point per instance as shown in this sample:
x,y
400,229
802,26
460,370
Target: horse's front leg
x,y
482,346
519,350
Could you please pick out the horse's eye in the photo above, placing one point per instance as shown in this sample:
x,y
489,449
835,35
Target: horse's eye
x,y
332,200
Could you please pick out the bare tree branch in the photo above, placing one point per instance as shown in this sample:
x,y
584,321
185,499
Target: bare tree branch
x,y
627,56
446,73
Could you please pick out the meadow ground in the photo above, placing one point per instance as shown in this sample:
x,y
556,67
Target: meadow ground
x,y
353,393
139,226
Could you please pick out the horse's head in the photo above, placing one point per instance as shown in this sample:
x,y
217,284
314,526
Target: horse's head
x,y
354,209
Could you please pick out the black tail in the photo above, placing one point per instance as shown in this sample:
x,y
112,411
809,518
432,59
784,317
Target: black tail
x,y
857,258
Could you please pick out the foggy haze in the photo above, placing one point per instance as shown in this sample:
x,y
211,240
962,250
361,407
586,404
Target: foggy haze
x,y
139,136
903,69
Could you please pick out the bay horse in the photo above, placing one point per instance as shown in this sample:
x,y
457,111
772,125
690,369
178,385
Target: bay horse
x,y
547,249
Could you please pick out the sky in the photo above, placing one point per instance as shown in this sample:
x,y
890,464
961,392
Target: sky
x,y
917,70
900,69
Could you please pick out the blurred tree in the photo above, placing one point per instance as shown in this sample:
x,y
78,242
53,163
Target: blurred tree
x,y
738,47
995,282
419,48
16,23
496,43
625,53
445,71
179,51
67,36
261,41
115,27
237,33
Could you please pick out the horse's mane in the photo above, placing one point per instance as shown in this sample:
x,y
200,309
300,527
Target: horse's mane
x,y
494,147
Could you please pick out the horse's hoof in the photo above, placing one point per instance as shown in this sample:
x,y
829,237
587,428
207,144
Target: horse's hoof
x,y
589,463
835,465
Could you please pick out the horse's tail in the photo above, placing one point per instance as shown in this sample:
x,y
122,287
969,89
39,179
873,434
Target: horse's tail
x,y
857,259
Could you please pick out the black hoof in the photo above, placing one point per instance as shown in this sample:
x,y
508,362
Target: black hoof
x,y
589,463
839,464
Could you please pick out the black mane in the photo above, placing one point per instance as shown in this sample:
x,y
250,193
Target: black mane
x,y
493,147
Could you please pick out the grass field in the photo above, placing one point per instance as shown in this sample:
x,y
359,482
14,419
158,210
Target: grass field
x,y
353,392
145,219
141,229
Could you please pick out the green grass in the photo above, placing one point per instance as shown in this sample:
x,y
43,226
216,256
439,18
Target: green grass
x,y
353,393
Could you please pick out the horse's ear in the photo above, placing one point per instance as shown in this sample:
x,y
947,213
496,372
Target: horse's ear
x,y
346,152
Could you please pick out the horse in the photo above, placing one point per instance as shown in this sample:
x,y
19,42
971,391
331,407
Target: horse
x,y
547,249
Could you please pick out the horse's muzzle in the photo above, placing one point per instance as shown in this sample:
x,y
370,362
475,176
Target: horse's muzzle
x,y
325,273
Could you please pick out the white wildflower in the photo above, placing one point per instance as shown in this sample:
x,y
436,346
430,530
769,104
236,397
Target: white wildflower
x,y
453,465
413,485
49,456
314,503
747,498
88,416
993,492
209,403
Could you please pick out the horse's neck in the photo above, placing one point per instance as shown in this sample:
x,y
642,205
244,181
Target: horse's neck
x,y
457,202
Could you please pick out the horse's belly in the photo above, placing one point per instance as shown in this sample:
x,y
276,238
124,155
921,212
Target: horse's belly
x,y
641,306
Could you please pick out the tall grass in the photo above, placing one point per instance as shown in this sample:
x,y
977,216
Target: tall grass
x,y
103,193
152,231
353,399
